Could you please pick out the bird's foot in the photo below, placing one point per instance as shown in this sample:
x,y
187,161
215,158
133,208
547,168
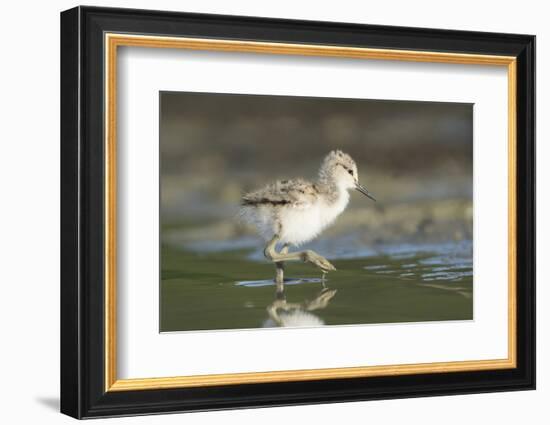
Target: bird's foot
x,y
321,262
322,300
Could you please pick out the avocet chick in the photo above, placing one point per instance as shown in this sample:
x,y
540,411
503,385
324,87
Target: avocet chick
x,y
292,212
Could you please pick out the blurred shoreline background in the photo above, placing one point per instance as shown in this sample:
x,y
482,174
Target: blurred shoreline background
x,y
416,157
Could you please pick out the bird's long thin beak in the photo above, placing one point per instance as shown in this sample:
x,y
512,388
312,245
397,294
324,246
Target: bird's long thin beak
x,y
360,188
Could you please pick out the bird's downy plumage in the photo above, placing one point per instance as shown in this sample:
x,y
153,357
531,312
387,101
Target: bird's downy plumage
x,y
297,210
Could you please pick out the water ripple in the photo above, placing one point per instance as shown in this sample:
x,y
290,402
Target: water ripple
x,y
270,282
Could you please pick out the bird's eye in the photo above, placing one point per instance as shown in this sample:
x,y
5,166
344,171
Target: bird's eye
x,y
350,171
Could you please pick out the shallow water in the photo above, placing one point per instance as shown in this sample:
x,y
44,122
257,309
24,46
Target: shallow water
x,y
229,286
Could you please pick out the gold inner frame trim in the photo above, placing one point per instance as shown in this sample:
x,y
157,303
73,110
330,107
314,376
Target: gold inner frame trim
x,y
113,41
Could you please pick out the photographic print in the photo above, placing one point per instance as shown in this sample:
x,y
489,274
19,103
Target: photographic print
x,y
289,211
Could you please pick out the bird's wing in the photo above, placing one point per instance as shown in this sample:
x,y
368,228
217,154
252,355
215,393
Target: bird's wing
x,y
295,193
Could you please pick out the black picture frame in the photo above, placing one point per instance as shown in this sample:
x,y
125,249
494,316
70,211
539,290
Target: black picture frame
x,y
83,392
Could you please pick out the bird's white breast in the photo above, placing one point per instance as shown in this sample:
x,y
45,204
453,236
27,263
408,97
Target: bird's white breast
x,y
300,225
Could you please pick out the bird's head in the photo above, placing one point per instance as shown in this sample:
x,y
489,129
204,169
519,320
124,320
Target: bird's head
x,y
340,168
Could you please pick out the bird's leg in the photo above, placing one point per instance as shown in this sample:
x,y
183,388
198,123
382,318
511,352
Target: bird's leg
x,y
323,279
307,256
280,270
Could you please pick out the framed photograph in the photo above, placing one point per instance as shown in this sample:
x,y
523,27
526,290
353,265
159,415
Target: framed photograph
x,y
261,212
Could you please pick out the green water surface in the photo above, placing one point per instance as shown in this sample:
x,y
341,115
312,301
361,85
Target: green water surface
x,y
226,290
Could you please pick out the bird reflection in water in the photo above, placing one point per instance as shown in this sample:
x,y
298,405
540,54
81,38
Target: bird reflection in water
x,y
286,314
